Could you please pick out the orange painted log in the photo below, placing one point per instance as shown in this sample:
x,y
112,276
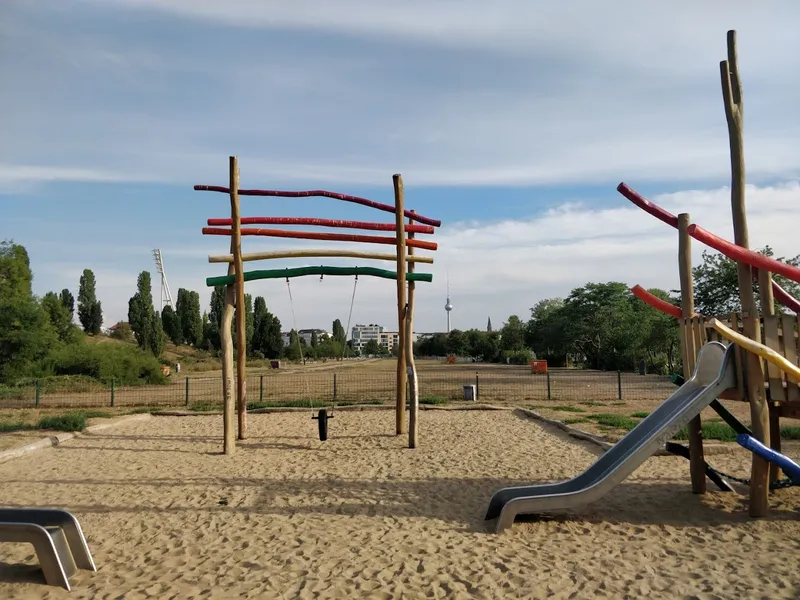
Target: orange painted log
x,y
330,237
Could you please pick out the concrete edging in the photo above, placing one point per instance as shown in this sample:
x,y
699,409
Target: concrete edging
x,y
60,438
348,408
708,449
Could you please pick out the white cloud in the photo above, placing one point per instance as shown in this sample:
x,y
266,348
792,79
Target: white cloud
x,y
496,269
350,92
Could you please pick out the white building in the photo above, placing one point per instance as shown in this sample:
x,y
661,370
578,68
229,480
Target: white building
x,y
305,335
362,334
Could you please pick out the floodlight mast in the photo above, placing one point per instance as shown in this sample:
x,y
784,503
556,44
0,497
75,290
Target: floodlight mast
x,y
166,294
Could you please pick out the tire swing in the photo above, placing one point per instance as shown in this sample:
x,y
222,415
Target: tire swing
x,y
322,415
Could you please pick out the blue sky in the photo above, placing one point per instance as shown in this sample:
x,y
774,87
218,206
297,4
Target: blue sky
x,y
512,122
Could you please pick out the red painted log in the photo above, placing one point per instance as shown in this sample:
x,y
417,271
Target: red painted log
x,y
667,217
321,223
739,254
336,196
647,206
656,302
331,237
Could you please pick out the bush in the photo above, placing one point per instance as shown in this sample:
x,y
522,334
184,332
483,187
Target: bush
x,y
126,365
518,357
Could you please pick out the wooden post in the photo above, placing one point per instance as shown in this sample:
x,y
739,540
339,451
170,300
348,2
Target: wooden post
x,y
759,413
776,393
411,367
697,460
226,338
241,335
400,406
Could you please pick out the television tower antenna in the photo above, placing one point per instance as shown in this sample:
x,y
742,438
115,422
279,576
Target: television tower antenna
x,y
448,305
166,295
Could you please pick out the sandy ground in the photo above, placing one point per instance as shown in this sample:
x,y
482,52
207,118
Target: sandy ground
x,y
361,516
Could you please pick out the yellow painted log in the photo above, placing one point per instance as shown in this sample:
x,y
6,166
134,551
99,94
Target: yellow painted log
x,y
248,256
761,350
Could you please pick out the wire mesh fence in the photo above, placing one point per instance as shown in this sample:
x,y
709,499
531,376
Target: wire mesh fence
x,y
293,389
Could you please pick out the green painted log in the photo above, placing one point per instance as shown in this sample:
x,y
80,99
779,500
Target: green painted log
x,y
321,270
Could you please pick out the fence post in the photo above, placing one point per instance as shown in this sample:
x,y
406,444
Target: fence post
x,y
334,386
187,391
549,396
112,392
619,385
477,386
261,388
38,393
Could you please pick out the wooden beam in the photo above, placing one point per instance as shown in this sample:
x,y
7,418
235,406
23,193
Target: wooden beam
x,y
400,404
241,333
226,339
411,367
249,256
697,461
756,393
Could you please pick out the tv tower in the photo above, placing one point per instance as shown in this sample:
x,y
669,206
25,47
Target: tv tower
x,y
448,305
166,295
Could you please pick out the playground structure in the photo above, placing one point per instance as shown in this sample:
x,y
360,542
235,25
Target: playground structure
x,y
771,389
710,369
405,276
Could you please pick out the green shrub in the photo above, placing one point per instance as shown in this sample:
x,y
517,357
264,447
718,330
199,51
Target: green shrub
x,y
573,409
640,414
126,365
433,400
72,421
615,421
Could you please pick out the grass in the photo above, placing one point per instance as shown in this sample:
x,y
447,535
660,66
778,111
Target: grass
x,y
74,420
613,421
572,409
640,414
592,403
215,406
575,421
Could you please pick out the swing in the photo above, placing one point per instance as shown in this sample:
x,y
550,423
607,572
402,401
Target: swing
x,y
322,415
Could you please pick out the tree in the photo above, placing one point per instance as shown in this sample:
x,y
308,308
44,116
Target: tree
x,y
661,341
371,347
59,316
339,334
314,338
26,335
187,310
90,313
292,350
456,343
211,333
171,324
157,335
601,326
144,320
249,322
68,302
512,335
544,332
716,286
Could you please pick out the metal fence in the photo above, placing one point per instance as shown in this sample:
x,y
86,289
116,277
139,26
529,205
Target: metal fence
x,y
292,389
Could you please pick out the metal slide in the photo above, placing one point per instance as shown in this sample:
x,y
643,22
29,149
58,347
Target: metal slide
x,y
713,373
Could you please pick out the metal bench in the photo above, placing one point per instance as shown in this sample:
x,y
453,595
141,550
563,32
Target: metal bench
x,y
56,536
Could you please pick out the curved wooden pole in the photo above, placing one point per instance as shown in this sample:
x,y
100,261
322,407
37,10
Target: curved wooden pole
x,y
321,193
321,223
330,237
321,270
248,256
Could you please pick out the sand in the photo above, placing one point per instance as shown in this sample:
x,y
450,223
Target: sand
x,y
361,516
